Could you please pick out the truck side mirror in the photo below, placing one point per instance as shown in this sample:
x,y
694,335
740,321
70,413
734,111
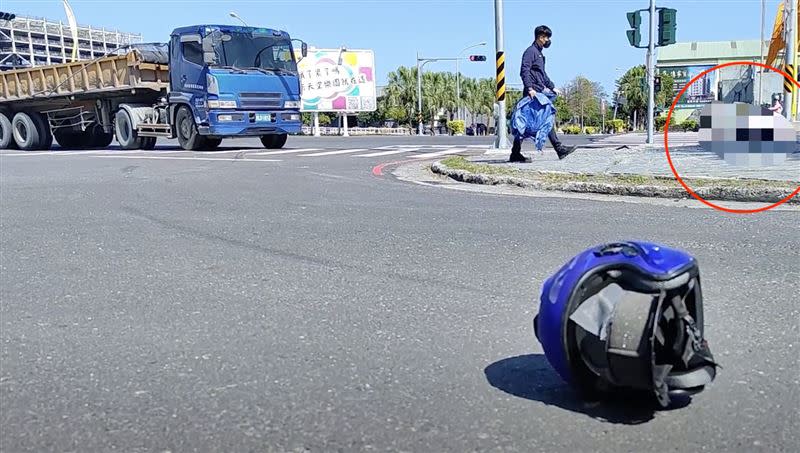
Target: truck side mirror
x,y
209,56
304,49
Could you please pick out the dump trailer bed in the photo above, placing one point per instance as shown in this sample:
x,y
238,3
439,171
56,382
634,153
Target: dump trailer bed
x,y
108,77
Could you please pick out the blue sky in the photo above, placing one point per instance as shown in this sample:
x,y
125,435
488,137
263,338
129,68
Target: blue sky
x,y
589,35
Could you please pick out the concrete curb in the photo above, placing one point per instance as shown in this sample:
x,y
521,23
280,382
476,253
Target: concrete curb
x,y
718,193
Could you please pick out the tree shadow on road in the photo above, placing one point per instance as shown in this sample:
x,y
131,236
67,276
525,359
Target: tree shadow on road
x,y
532,378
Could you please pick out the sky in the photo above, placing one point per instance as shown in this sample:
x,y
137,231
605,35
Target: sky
x,y
588,35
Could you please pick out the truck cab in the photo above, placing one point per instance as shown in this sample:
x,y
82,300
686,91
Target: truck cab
x,y
232,81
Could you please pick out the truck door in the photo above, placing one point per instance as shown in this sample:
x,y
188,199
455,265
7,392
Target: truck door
x,y
187,69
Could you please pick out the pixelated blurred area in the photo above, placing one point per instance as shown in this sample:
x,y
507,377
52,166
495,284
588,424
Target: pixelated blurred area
x,y
746,135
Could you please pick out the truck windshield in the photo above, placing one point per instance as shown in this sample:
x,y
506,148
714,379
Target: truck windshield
x,y
254,50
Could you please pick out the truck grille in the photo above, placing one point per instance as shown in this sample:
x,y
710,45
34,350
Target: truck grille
x,y
260,100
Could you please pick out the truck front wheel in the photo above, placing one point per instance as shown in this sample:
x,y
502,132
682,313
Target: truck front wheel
x,y
124,131
26,134
188,136
274,141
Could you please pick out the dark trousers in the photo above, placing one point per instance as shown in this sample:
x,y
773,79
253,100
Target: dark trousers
x,y
517,147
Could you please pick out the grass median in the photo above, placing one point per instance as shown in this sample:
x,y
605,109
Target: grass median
x,y
460,163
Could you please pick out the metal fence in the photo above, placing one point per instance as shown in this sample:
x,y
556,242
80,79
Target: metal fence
x,y
308,130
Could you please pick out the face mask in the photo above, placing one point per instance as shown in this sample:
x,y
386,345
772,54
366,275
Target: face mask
x,y
547,44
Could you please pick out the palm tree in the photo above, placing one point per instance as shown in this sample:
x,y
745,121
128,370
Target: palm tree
x,y
630,87
401,90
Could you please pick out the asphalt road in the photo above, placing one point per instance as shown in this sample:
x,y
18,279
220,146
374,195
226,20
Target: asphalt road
x,y
304,304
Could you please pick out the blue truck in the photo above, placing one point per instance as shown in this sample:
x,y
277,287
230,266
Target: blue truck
x,y
210,82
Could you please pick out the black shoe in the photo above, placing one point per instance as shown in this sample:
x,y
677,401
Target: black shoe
x,y
519,158
565,151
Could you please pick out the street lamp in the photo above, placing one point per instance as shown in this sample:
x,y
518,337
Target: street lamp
x,y
424,61
236,16
458,77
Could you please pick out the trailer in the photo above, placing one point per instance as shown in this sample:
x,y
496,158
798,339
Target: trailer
x,y
208,83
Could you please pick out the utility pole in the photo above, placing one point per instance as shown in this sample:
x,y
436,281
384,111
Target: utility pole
x,y
420,127
759,98
502,142
789,57
651,51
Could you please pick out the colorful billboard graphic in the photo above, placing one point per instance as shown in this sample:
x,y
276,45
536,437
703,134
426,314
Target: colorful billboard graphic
x,y
702,92
334,80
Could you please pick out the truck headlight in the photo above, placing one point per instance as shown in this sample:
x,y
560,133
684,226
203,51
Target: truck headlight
x,y
222,104
291,104
213,85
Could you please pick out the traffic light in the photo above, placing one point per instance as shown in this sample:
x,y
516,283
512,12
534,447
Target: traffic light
x,y
477,58
7,16
635,34
667,25
657,84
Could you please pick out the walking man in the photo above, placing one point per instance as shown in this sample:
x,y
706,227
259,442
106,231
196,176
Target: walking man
x,y
535,79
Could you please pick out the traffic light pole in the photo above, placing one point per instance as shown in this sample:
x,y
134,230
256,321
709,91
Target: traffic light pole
x,y
651,51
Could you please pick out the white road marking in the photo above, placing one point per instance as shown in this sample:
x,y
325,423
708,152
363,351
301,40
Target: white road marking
x,y
283,151
333,153
439,153
221,159
388,153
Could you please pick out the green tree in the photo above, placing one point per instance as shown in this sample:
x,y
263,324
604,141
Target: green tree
x,y
667,94
633,98
563,111
401,90
583,97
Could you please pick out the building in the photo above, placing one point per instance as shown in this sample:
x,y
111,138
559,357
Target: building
x,y
685,61
30,41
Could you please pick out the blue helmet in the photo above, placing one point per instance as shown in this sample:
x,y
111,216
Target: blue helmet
x,y
627,315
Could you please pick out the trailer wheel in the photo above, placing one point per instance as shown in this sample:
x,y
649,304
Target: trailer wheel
x,y
6,133
26,134
274,141
69,139
188,136
148,143
98,137
45,136
124,131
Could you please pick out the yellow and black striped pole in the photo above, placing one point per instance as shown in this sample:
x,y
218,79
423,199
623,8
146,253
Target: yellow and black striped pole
x,y
501,125
790,90
501,76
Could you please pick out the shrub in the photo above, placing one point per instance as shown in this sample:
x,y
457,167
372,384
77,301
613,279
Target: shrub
x,y
456,127
589,130
690,126
572,129
661,121
617,125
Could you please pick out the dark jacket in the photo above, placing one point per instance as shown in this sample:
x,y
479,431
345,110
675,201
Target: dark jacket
x,y
532,71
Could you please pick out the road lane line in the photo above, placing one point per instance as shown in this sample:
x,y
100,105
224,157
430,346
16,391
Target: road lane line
x,y
439,153
283,151
333,153
388,153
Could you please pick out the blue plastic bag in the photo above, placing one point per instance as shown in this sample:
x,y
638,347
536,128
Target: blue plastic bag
x,y
533,119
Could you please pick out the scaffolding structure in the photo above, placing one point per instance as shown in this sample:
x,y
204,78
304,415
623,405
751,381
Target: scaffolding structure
x,y
31,41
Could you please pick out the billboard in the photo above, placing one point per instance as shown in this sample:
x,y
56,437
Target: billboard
x,y
336,80
702,92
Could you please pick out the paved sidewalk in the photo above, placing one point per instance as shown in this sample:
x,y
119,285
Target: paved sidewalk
x,y
690,162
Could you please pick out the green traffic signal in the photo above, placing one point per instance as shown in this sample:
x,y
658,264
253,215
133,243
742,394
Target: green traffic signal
x,y
634,37
635,34
667,26
635,19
